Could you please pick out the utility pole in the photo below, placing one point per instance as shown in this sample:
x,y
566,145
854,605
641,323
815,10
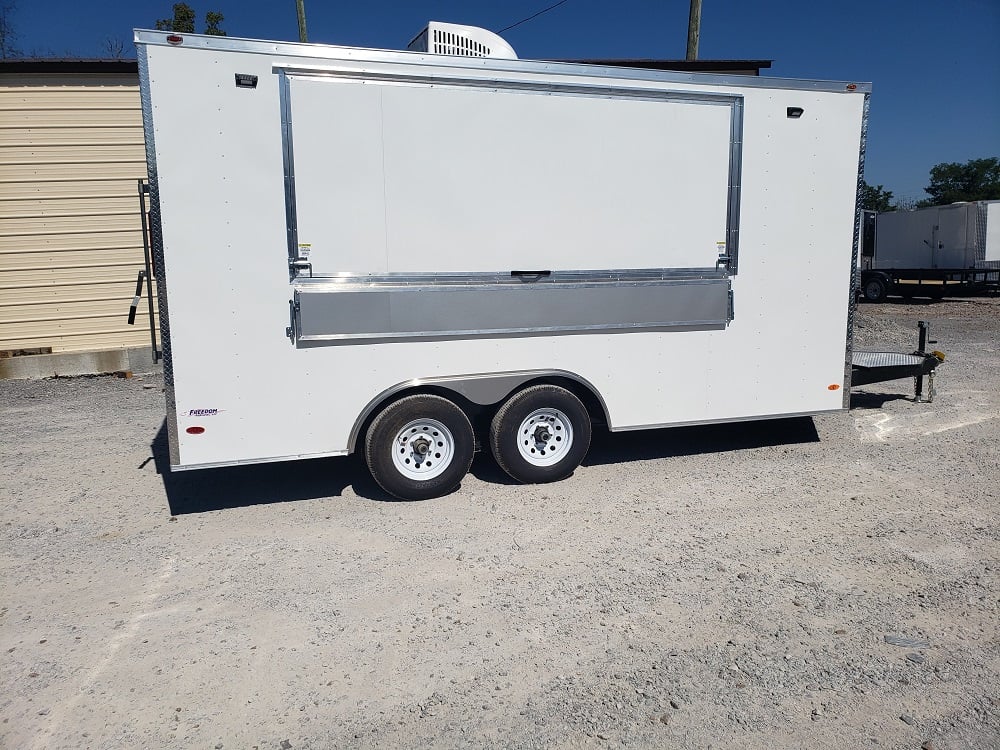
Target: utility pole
x,y
301,10
694,29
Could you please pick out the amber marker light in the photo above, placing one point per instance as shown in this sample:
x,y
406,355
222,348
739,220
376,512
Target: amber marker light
x,y
833,387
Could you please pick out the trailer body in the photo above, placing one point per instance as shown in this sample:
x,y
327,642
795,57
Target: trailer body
x,y
335,228
932,251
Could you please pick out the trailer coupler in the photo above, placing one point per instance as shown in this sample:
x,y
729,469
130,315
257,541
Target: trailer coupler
x,y
879,367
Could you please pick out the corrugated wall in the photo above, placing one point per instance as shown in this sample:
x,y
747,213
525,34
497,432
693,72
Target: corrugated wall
x,y
71,152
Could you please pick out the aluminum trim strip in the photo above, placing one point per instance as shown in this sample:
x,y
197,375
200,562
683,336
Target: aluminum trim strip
x,y
728,420
288,163
852,297
735,187
252,461
520,86
343,281
321,51
159,266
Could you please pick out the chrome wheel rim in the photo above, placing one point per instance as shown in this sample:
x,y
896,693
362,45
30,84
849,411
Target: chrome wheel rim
x,y
423,449
544,437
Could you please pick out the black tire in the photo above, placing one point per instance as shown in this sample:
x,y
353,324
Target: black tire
x,y
414,473
875,289
558,411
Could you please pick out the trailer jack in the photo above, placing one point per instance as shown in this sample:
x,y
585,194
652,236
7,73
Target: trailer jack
x,y
879,367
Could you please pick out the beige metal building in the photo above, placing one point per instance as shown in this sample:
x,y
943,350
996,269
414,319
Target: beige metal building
x,y
71,155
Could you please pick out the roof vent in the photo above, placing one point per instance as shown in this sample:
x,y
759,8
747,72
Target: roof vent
x,y
465,41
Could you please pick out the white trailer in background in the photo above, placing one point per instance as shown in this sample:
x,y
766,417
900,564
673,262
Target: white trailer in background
x,y
387,251
931,251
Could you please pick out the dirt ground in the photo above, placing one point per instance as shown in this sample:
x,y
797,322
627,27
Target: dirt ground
x,y
821,583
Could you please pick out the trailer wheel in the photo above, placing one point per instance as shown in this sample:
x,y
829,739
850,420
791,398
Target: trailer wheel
x,y
875,290
540,434
420,447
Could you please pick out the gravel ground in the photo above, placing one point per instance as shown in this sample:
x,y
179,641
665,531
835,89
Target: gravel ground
x,y
828,582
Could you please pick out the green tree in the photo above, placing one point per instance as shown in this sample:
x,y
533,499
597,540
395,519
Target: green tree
x,y
975,180
212,21
876,198
181,23
184,18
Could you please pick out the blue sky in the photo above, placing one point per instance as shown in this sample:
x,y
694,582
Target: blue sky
x,y
935,64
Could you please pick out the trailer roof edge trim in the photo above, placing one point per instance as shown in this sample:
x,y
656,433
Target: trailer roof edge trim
x,y
323,51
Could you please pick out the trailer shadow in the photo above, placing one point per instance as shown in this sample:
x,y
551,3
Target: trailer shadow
x,y
260,484
875,400
643,445
313,479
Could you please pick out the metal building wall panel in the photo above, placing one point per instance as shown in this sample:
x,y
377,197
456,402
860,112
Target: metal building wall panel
x,y
91,189
59,153
96,257
63,224
66,309
72,241
83,135
73,171
69,278
86,336
38,96
69,118
49,293
71,152
34,208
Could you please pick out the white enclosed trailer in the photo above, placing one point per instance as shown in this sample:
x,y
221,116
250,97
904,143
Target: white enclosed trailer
x,y
931,251
389,251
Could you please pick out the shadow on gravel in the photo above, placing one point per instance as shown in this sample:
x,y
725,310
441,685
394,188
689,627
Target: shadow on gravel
x,y
876,400
642,445
256,484
206,490
485,469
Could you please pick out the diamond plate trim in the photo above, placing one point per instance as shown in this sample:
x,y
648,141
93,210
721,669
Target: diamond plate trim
x,y
852,298
159,269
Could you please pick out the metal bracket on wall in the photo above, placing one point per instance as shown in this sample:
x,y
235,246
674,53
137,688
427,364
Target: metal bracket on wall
x,y
293,309
147,242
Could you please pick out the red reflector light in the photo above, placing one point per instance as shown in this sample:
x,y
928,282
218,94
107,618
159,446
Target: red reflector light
x,y
852,86
174,39
195,430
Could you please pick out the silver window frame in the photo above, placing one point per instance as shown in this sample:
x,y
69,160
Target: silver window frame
x,y
287,73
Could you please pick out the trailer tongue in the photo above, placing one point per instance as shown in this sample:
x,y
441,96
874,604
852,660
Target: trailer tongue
x,y
879,367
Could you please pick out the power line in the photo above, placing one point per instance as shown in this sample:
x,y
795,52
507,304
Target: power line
x,y
536,15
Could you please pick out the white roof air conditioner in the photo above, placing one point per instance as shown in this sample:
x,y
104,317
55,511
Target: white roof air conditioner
x,y
466,41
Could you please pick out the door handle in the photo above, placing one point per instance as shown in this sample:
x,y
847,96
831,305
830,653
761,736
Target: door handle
x,y
530,275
